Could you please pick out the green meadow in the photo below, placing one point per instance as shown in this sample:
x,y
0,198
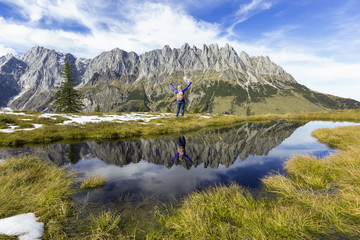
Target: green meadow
x,y
315,199
52,130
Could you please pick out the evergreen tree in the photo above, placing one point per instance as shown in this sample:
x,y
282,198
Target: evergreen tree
x,y
142,107
168,109
196,109
97,108
68,99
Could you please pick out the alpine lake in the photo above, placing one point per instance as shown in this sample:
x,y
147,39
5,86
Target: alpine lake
x,y
145,174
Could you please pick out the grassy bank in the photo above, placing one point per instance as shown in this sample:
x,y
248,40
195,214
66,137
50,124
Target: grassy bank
x,y
51,131
29,184
317,199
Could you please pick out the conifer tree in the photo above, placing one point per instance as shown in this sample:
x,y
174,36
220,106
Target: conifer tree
x,y
97,108
196,109
68,99
142,107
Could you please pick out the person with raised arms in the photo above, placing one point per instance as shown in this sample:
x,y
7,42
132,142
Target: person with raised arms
x,y
180,99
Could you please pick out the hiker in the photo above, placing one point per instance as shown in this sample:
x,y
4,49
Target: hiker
x,y
181,150
180,99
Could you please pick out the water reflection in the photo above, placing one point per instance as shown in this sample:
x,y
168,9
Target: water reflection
x,y
242,154
181,155
207,148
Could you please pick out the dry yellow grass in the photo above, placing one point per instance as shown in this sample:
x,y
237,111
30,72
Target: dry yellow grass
x,y
316,199
93,182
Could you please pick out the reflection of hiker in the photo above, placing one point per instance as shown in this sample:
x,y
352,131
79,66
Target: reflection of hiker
x,y
180,99
181,149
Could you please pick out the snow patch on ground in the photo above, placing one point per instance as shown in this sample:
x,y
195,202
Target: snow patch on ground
x,y
12,128
79,119
10,111
142,117
145,117
25,226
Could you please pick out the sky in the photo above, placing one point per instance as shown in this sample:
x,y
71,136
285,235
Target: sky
x,y
317,42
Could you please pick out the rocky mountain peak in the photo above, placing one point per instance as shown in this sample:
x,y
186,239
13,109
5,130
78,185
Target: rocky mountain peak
x,y
5,58
229,48
115,61
166,50
12,65
245,58
35,53
121,81
214,48
2,59
185,47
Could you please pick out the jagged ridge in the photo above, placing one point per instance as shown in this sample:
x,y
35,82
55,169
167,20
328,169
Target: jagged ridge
x,y
223,81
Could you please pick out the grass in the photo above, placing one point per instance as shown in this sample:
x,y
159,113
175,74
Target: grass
x,y
27,120
52,132
29,184
232,212
316,199
105,225
341,137
133,214
93,182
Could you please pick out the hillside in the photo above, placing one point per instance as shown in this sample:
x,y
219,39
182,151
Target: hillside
x,y
223,81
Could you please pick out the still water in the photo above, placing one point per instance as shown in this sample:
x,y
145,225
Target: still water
x,y
171,167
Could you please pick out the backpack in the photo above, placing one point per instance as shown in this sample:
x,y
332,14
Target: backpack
x,y
180,96
181,150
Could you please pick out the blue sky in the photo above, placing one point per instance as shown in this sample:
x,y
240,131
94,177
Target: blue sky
x,y
317,41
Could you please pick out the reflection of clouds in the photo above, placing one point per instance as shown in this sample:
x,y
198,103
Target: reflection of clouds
x,y
250,161
301,142
302,135
248,173
148,177
177,180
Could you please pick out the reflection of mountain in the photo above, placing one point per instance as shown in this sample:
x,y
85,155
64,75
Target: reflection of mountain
x,y
208,147
224,146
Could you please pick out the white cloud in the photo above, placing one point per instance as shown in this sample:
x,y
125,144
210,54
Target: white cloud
x,y
249,9
246,11
324,74
319,73
326,65
138,28
160,25
142,26
6,50
330,77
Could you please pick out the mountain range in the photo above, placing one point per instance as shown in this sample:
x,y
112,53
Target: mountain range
x,y
223,81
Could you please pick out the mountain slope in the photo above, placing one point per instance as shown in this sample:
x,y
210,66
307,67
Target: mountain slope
x,y
222,81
